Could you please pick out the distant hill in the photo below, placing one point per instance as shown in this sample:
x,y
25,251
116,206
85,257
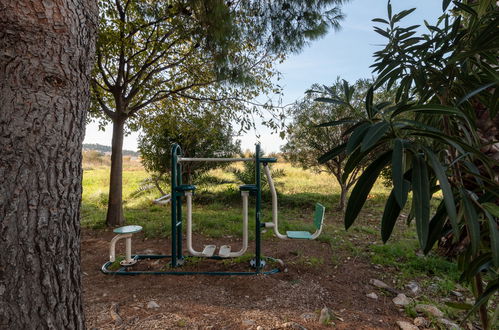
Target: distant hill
x,y
107,149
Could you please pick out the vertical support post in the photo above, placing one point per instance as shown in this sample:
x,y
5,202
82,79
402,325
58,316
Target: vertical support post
x,y
179,215
175,203
258,209
128,253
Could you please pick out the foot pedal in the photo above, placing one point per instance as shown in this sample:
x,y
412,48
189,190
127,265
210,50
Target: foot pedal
x,y
209,250
224,251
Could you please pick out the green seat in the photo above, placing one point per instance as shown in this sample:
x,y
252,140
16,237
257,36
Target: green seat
x,y
127,229
318,221
299,234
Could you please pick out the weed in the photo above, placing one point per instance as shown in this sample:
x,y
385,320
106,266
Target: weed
x,y
246,258
182,323
116,263
410,310
402,255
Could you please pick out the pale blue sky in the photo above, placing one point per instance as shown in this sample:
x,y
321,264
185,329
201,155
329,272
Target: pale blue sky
x,y
346,53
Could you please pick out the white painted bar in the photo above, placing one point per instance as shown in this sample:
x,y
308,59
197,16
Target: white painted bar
x,y
187,159
274,205
188,197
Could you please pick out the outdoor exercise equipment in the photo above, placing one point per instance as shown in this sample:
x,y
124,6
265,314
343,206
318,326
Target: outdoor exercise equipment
x,y
318,215
179,192
126,233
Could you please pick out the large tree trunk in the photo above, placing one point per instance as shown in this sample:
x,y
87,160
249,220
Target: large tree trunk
x,y
46,50
115,203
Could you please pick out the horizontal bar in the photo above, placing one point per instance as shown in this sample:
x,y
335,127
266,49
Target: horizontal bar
x,y
184,159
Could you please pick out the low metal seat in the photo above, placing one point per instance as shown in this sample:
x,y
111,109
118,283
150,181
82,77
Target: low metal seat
x,y
318,222
125,232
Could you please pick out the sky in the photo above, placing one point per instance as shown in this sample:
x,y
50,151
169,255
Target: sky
x,y
346,53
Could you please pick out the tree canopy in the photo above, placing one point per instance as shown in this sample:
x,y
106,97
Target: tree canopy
x,y
199,135
215,51
305,141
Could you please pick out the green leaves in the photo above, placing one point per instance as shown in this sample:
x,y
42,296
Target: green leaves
x,y
363,187
337,122
447,97
332,153
398,169
475,92
369,102
471,219
357,136
391,212
492,213
374,134
435,228
450,205
330,100
421,197
445,4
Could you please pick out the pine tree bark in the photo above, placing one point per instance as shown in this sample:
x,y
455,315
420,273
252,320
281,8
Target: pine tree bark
x,y
46,50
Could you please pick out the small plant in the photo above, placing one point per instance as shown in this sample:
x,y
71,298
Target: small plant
x,y
247,174
246,258
182,323
116,263
410,310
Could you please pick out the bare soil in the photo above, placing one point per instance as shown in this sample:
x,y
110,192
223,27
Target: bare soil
x,y
316,277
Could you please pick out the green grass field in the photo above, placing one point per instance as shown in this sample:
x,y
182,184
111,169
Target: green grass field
x,y
217,207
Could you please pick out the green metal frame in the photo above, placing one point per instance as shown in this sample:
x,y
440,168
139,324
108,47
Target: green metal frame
x,y
177,192
126,271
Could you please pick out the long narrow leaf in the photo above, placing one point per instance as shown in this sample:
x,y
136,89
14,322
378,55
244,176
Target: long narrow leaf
x,y
474,92
369,102
445,4
353,161
435,227
332,153
337,122
329,100
363,187
398,170
391,213
450,205
380,106
380,20
374,134
421,198
480,263
402,14
491,211
491,288
357,136
431,109
471,218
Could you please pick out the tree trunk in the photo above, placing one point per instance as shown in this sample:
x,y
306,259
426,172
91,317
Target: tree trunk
x,y
115,203
46,50
343,196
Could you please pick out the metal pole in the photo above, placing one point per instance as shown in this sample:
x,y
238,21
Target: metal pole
x,y
187,159
179,216
258,209
174,203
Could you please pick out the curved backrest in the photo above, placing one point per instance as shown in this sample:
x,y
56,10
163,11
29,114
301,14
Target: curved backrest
x,y
319,215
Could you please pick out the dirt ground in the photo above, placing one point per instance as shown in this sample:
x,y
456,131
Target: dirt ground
x,y
316,277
